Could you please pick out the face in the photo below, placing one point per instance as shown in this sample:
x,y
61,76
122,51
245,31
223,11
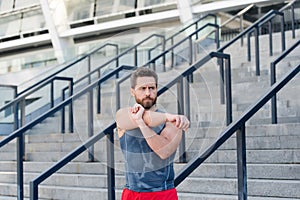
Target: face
x,y
145,91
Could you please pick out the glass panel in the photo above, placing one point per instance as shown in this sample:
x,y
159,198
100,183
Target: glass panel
x,y
104,7
6,5
10,25
33,20
79,9
23,3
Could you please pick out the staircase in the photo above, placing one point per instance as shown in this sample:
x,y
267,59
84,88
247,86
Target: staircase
x,y
273,151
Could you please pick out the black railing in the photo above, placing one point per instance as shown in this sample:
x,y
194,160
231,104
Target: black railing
x,y
239,127
19,133
255,28
18,103
273,79
110,130
44,82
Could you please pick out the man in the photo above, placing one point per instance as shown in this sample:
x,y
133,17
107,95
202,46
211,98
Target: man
x,y
148,139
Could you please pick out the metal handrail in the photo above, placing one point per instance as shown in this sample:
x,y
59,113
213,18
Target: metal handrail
x,y
239,127
33,88
18,102
19,133
254,28
109,131
116,59
239,14
151,62
273,79
291,5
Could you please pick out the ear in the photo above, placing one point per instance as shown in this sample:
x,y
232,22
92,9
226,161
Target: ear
x,y
132,91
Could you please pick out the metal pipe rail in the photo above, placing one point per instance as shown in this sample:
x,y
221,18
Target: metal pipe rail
x,y
172,37
70,65
109,130
33,88
273,79
291,5
271,14
19,101
19,133
239,127
151,63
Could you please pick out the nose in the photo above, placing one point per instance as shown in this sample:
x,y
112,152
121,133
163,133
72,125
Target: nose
x,y
147,91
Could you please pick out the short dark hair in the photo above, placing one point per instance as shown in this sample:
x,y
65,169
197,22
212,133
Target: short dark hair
x,y
142,72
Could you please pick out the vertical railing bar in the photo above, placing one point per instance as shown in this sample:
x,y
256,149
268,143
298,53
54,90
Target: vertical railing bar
x,y
282,33
172,54
135,57
242,28
16,115
249,46
23,120
190,50
164,48
221,71
241,163
217,36
89,68
293,20
257,62
118,96
110,165
20,173
90,123
228,91
99,94
270,38
71,118
180,109
273,100
52,94
63,117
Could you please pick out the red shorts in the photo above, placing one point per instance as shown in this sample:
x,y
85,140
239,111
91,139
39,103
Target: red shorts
x,y
160,195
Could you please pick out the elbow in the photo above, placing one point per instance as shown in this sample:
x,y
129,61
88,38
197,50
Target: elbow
x,y
163,155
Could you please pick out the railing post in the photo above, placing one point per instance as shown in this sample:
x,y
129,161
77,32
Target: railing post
x,y
20,174
99,94
241,163
282,33
257,62
16,115
293,20
135,57
163,49
180,108
52,94
172,54
242,28
34,192
110,165
228,91
270,38
273,100
217,36
249,46
221,72
71,118
63,118
90,123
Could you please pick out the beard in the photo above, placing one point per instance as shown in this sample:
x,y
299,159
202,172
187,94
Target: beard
x,y
147,103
